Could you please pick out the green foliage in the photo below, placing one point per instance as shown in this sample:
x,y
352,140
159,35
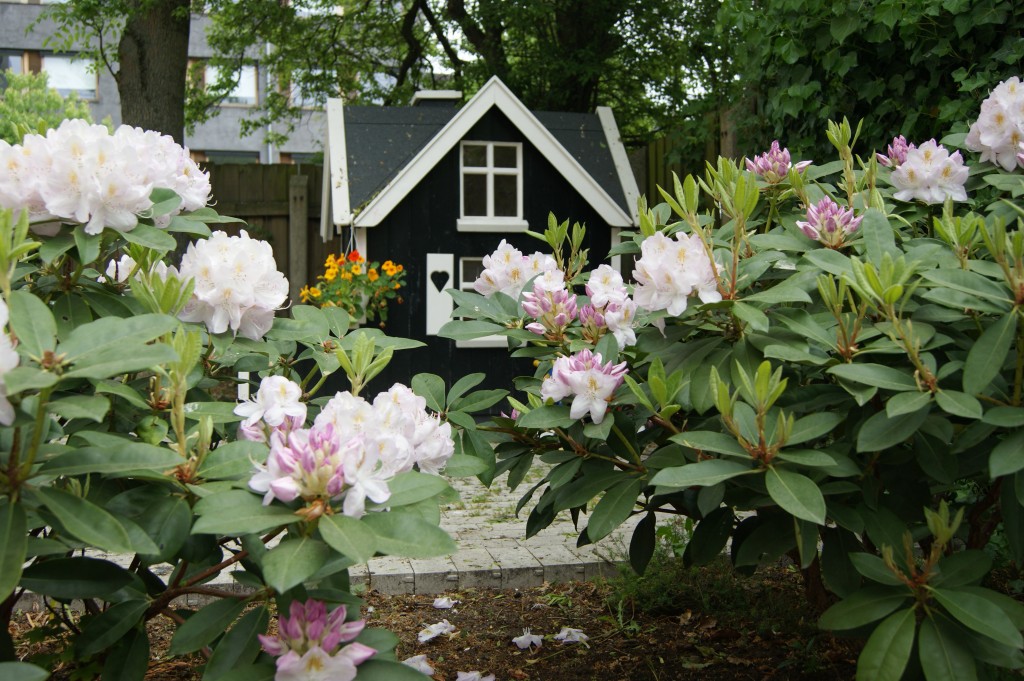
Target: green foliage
x,y
919,69
835,397
29,104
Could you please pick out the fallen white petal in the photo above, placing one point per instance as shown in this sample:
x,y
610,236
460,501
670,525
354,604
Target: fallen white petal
x,y
420,664
444,603
434,630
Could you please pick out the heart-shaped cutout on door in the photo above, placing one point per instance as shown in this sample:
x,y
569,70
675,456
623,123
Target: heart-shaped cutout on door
x,y
440,278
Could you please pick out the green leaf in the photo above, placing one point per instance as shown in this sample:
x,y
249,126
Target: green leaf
x,y
85,520
711,441
128,660
431,388
546,417
614,508
643,543
970,283
988,354
349,536
942,656
464,466
109,336
881,432
92,407
1006,456
1006,417
292,562
13,544
757,320
700,474
220,412
233,460
240,645
410,487
878,233
814,426
401,534
468,330
874,568
980,615
203,627
863,607
962,569
32,322
887,652
79,577
906,403
236,512
709,537
168,522
129,456
138,358
23,671
877,375
20,379
88,245
478,400
958,404
104,630
797,494
467,382
841,27
150,237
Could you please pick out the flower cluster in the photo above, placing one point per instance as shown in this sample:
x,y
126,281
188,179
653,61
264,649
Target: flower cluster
x,y
359,287
352,449
830,223
670,271
590,381
773,165
897,152
237,285
82,172
308,644
610,310
550,304
507,270
999,131
8,360
929,173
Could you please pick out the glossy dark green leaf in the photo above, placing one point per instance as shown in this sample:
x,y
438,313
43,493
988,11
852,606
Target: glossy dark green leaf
x,y
168,522
123,457
204,626
863,607
240,645
962,569
814,426
988,354
292,562
478,400
942,656
238,512
797,494
400,534
88,245
979,614
709,537
13,545
383,670
79,577
85,520
546,417
1006,456
642,543
349,536
233,460
614,508
887,651
838,546
431,388
410,487
874,568
958,404
105,629
881,432
711,441
32,322
702,473
877,375
129,659
150,237
23,671
91,407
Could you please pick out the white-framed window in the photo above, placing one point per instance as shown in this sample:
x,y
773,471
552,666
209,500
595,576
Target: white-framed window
x,y
66,74
491,187
306,98
470,269
245,92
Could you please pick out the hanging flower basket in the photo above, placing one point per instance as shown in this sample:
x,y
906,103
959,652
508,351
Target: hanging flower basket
x,y
363,289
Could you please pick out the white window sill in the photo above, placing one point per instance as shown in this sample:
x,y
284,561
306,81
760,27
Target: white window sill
x,y
481,224
485,342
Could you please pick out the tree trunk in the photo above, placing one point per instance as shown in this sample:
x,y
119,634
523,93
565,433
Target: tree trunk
x,y
153,62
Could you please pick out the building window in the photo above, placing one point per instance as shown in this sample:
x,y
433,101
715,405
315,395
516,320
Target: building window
x,y
306,97
67,74
470,270
491,187
10,60
226,156
245,91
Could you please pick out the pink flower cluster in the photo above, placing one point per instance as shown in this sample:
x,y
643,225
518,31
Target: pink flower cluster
x,y
773,165
352,449
898,151
590,382
81,172
670,271
507,270
237,285
308,645
929,173
550,304
830,223
999,131
611,310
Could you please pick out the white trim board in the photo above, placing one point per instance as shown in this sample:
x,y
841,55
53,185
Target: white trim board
x,y
621,161
337,155
493,94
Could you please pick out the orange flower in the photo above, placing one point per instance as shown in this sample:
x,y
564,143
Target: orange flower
x,y
372,275
400,269
355,257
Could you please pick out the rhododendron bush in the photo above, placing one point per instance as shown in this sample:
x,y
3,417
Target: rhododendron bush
x,y
822,360
132,476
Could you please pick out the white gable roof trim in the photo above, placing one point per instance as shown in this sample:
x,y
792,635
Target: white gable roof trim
x,y
493,94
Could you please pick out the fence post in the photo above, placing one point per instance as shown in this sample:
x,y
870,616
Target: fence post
x,y
298,234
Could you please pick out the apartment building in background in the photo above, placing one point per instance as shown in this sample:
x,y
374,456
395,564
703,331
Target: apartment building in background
x,y
23,48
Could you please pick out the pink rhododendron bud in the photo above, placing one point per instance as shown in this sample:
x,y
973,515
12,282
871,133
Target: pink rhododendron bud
x,y
897,153
829,223
8,360
931,174
999,130
584,376
670,271
308,645
553,309
237,285
773,165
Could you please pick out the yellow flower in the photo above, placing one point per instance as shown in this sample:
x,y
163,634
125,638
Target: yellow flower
x,y
304,294
372,275
315,292
330,274
330,262
400,269
357,270
346,276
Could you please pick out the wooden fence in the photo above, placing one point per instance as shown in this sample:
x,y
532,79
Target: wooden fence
x,y
280,204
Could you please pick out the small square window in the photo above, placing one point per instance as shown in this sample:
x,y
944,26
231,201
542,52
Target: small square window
x,y
492,187
245,92
67,74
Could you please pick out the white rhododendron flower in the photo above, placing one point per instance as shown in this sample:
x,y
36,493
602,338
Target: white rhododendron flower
x,y
527,639
118,270
351,452
237,285
570,635
999,130
669,271
432,631
930,174
508,270
81,172
420,664
591,382
8,360
444,603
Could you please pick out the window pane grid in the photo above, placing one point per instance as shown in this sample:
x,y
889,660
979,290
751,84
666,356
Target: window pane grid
x,y
496,164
